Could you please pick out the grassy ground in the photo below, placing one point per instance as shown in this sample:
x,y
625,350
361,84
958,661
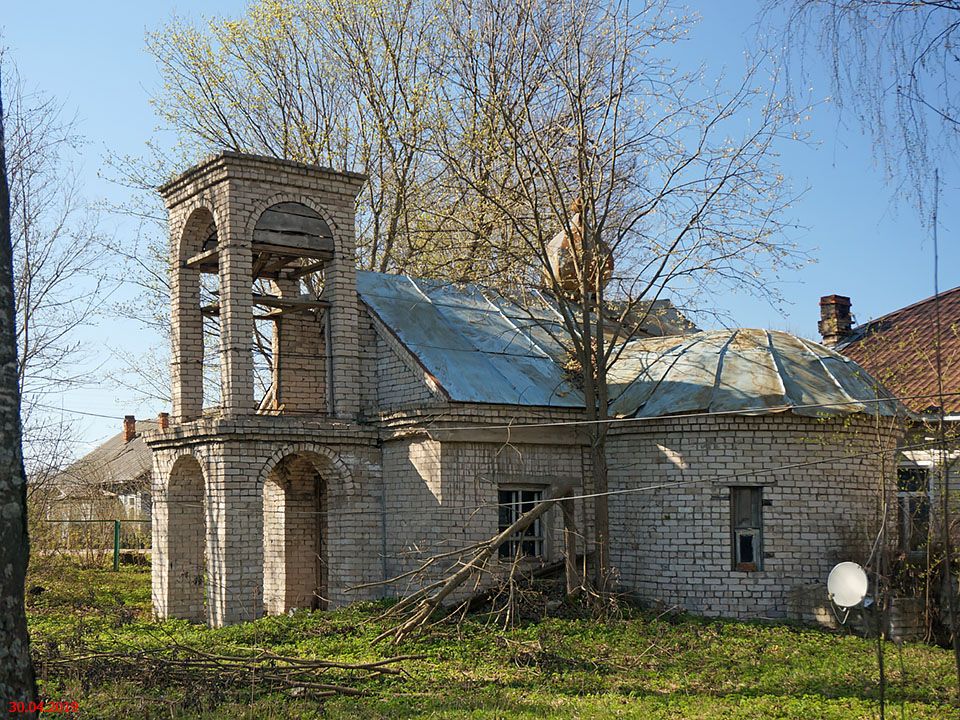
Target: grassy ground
x,y
638,666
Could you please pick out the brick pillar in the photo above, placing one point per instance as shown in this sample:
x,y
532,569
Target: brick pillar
x,y
236,318
186,361
341,277
234,539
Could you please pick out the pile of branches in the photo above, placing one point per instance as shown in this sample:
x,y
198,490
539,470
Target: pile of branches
x,y
180,665
415,611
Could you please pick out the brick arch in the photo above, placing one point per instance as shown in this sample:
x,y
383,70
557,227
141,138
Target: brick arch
x,y
281,197
183,229
341,474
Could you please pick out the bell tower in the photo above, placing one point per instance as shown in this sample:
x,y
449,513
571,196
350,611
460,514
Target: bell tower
x,y
275,240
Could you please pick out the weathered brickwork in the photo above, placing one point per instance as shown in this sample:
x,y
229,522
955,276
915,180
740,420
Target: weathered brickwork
x,y
358,466
273,488
673,544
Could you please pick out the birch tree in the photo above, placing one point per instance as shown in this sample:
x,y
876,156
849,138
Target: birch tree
x,y
893,69
17,682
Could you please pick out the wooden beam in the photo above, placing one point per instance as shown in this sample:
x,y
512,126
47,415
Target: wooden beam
x,y
303,301
201,258
321,253
307,269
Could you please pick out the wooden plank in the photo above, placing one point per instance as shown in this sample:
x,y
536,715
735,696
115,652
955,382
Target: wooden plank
x,y
302,301
292,240
202,258
307,269
296,224
323,251
274,265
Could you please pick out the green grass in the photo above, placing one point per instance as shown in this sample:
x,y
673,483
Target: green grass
x,y
639,666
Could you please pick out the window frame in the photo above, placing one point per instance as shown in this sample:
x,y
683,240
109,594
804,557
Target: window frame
x,y
753,527
537,533
906,515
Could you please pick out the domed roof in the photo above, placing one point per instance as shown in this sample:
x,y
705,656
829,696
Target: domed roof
x,y
748,372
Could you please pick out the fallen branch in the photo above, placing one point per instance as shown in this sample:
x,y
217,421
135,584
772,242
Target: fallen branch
x,y
419,607
183,665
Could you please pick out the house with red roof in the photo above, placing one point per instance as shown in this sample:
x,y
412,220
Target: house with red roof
x,y
915,353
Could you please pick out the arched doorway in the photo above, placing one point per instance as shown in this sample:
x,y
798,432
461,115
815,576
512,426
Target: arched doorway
x,y
295,534
185,541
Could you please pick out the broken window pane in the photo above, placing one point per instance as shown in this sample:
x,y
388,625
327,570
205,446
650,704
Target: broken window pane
x,y
745,514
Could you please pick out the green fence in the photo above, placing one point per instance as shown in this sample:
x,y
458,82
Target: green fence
x,y
116,532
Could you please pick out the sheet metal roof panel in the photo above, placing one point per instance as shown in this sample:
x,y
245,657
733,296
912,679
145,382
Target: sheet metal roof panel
x,y
808,382
689,383
489,331
745,371
748,374
462,339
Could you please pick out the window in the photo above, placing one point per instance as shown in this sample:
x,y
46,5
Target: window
x,y
514,503
747,521
913,501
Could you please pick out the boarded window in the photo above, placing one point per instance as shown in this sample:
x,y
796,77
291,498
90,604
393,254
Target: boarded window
x,y
913,501
513,503
746,518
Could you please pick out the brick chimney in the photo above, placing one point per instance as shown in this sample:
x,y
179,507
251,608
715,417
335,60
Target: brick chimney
x,y
129,428
163,421
836,322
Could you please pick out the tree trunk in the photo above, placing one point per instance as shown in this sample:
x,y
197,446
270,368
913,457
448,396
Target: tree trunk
x,y
601,508
17,683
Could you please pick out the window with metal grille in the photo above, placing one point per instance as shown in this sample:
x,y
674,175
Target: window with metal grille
x,y
746,505
513,503
913,501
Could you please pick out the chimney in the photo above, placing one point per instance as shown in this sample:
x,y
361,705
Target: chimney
x,y
836,323
163,421
129,428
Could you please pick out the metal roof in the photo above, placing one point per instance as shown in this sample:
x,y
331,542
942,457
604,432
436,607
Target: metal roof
x,y
479,346
114,464
483,347
749,372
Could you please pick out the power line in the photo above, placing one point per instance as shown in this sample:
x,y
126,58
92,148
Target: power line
x,y
765,410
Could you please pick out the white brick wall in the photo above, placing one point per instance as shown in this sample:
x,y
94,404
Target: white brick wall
x,y
673,544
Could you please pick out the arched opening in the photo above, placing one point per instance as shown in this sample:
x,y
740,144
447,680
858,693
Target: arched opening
x,y
295,535
292,243
186,541
195,316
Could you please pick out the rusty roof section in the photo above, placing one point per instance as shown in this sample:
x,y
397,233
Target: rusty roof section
x,y
899,350
746,372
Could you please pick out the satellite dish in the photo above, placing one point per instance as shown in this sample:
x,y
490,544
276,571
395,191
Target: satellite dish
x,y
847,585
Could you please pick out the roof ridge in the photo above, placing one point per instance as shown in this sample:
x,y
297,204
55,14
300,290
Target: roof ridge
x,y
912,306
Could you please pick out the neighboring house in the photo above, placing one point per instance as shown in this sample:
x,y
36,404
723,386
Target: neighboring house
x,y
900,350
408,417
113,479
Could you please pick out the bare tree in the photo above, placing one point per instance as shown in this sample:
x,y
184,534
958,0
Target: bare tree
x,y
17,683
59,281
656,183
337,84
892,64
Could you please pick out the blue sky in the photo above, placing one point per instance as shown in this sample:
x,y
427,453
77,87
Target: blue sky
x,y
91,57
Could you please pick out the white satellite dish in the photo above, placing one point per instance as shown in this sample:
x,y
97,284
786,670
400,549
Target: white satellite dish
x,y
847,585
